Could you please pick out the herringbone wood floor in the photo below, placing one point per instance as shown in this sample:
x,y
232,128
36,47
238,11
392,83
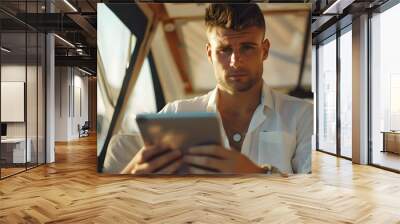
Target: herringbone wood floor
x,y
70,191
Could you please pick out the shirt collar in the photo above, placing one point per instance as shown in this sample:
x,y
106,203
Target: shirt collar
x,y
212,100
266,98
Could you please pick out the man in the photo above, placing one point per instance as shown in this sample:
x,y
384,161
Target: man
x,y
262,127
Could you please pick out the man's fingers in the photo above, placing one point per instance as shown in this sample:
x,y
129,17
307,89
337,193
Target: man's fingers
x,y
171,168
133,163
151,151
142,168
208,150
204,161
163,160
195,170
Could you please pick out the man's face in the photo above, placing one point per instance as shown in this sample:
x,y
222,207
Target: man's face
x,y
237,57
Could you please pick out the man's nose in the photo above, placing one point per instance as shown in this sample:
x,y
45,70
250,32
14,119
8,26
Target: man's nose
x,y
235,59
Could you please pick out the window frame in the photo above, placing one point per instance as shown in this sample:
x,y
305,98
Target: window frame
x,y
342,26
144,22
380,9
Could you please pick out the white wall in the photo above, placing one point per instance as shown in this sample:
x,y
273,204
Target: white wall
x,y
69,85
80,83
16,73
61,103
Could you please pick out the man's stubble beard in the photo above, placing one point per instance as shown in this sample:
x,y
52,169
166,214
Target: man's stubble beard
x,y
240,87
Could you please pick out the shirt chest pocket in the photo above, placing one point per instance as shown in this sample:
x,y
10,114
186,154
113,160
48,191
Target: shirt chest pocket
x,y
276,148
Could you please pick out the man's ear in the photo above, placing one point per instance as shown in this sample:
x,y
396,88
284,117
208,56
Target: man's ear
x,y
266,46
209,52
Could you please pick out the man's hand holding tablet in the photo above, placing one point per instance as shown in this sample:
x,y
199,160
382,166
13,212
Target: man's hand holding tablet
x,y
185,143
155,159
213,159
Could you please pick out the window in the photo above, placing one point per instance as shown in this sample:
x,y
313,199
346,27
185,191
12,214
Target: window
x,y
385,88
119,43
141,100
333,137
327,96
394,102
346,93
115,46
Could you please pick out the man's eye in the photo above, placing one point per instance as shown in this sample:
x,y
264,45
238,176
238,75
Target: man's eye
x,y
247,47
225,50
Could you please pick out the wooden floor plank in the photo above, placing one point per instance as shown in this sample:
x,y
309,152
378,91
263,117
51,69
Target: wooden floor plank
x,y
71,191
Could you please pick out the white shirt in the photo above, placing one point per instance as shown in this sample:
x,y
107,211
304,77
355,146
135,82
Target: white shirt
x,y
279,133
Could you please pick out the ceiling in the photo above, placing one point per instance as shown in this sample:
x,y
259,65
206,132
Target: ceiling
x,y
76,24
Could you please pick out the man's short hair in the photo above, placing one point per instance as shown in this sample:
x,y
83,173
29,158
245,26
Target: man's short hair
x,y
234,16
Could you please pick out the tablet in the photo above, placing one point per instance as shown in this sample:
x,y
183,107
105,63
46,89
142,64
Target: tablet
x,y
180,130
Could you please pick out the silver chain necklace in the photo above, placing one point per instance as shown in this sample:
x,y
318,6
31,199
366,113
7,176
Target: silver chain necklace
x,y
236,137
